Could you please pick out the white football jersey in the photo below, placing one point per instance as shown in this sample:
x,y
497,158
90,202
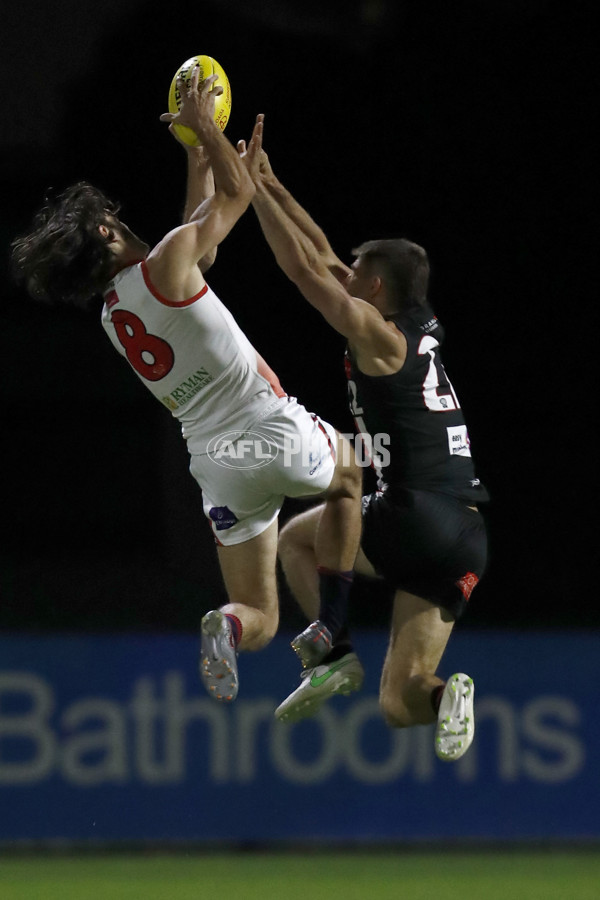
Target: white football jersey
x,y
192,355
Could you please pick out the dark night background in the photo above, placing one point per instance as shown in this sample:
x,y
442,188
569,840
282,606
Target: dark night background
x,y
466,127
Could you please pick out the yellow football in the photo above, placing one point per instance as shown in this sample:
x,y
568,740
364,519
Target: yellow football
x,y
208,66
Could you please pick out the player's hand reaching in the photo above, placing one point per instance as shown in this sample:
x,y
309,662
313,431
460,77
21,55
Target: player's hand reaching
x,y
197,103
255,158
196,150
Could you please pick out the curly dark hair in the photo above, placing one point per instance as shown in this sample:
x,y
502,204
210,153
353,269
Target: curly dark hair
x,y
64,258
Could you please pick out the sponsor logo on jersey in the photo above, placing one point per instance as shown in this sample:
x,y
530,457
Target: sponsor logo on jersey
x,y
222,517
429,326
187,389
467,583
458,441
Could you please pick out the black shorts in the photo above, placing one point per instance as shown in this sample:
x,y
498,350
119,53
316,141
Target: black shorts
x,y
428,544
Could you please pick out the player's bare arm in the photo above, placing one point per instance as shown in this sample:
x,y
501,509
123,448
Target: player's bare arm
x,y
291,243
200,180
301,252
301,218
263,175
200,186
173,263
377,345
307,225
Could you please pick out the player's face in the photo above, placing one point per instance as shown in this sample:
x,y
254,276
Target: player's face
x,y
361,283
133,241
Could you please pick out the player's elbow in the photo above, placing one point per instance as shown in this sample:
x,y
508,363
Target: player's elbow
x,y
244,195
294,268
304,267
241,187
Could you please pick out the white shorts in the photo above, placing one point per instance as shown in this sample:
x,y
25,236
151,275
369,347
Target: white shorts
x,y
245,476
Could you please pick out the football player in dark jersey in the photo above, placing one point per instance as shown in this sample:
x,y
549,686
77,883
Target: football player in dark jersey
x,y
422,530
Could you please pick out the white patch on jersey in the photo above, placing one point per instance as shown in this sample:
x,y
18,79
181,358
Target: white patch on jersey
x,y
458,441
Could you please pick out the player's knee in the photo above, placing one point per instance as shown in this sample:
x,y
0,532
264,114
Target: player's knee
x,y
355,479
270,626
298,536
288,543
352,471
348,474
260,629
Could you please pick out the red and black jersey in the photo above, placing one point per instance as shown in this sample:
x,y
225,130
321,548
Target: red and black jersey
x,y
411,421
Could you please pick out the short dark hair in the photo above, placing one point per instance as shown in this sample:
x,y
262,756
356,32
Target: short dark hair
x,y
64,258
405,267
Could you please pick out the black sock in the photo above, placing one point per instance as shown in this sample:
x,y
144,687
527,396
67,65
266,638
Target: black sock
x,y
342,646
436,697
334,588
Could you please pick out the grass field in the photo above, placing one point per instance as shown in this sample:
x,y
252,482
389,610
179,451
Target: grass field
x,y
551,875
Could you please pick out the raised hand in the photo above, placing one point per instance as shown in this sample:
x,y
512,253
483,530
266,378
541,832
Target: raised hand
x,y
254,156
197,103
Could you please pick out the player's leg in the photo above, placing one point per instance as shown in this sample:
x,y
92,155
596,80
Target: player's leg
x,y
340,671
298,557
249,620
418,638
249,573
327,540
243,512
421,543
297,554
338,530
317,550
411,693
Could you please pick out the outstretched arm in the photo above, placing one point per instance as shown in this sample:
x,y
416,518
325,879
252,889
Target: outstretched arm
x,y
173,263
311,270
305,255
299,245
199,187
269,188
